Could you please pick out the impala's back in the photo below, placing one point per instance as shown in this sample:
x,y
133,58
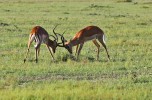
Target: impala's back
x,y
88,33
39,34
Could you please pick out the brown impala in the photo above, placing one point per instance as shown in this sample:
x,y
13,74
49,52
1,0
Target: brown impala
x,y
40,36
88,33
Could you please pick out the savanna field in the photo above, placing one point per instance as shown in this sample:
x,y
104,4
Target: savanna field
x,y
127,25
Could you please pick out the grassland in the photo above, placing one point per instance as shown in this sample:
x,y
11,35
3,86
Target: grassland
x,y
128,28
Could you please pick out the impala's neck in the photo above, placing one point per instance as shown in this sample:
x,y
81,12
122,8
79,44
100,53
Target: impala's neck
x,y
73,42
52,44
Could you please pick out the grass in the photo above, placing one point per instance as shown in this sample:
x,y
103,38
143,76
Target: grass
x,y
127,25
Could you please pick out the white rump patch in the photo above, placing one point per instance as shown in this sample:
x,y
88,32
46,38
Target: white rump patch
x,y
91,37
104,39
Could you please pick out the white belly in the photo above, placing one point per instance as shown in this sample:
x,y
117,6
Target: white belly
x,y
91,37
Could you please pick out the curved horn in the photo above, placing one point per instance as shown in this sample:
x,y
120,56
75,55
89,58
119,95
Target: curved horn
x,y
55,33
62,39
53,37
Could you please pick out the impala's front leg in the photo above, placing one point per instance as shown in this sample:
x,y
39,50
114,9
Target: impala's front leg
x,y
79,50
50,52
77,46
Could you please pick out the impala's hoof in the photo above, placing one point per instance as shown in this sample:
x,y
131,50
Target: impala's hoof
x,y
24,60
108,57
36,60
53,60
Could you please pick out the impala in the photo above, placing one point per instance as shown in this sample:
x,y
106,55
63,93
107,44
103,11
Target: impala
x,y
93,33
40,36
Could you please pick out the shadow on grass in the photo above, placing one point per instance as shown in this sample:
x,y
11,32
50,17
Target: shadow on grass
x,y
81,58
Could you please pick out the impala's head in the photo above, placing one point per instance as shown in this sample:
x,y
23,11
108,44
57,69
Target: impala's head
x,y
68,46
53,43
64,43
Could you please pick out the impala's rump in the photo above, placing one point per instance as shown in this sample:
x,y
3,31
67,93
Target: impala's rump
x,y
39,34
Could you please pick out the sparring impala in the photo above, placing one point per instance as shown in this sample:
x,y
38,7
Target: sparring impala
x,y
40,35
93,33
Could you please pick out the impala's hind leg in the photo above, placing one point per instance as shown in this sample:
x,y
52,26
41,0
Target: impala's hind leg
x,y
98,48
37,48
102,41
38,51
31,39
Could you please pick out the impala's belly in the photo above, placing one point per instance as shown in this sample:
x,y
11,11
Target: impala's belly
x,y
90,38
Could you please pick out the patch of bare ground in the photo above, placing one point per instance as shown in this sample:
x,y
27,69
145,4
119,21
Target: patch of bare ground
x,y
79,77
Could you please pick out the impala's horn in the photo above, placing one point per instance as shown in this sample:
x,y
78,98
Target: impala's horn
x,y
62,40
55,32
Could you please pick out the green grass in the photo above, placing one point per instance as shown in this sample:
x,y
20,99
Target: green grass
x,y
128,28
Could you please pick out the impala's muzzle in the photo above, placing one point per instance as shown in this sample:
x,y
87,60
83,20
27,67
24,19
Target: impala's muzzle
x,y
53,50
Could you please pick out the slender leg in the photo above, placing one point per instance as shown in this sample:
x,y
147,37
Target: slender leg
x,y
50,52
37,51
104,45
77,46
29,44
26,54
98,48
36,60
79,50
